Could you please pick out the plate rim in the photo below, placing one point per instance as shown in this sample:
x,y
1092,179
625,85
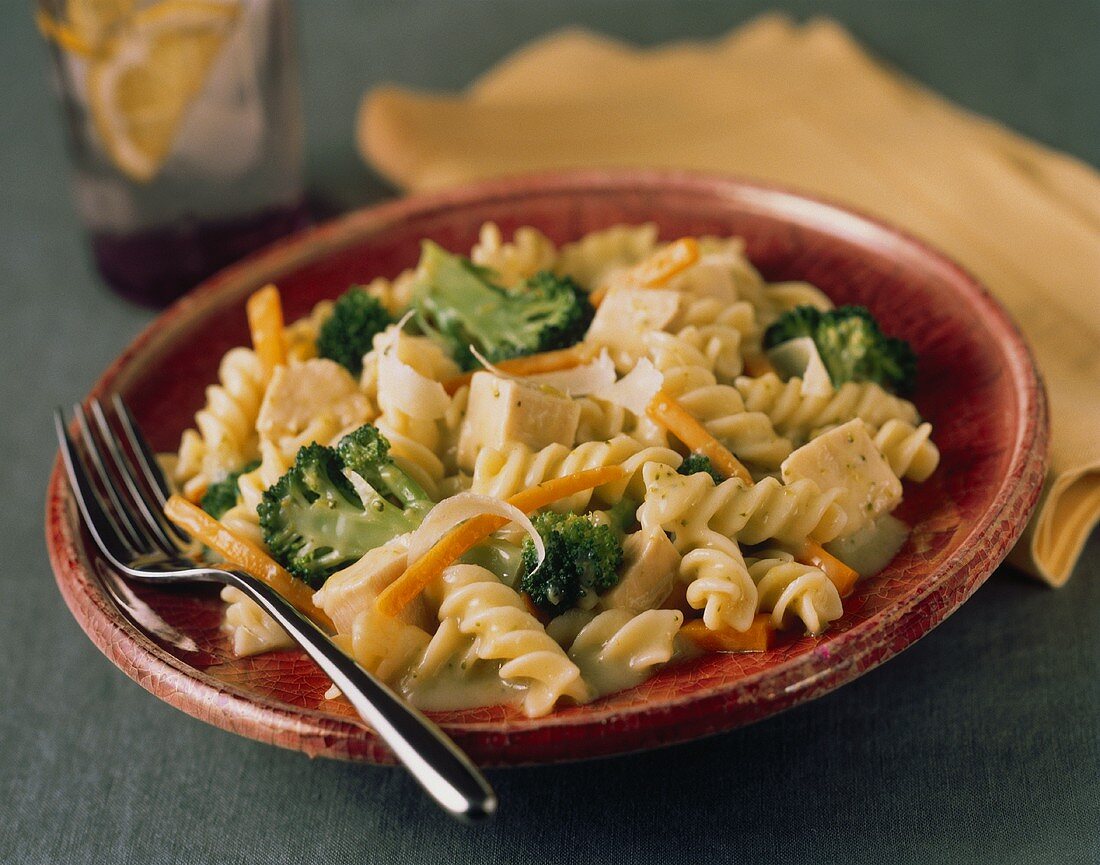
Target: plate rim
x,y
500,743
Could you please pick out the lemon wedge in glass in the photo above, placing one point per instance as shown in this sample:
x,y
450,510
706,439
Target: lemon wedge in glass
x,y
152,68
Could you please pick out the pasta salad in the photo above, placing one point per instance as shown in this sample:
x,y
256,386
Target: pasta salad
x,y
538,474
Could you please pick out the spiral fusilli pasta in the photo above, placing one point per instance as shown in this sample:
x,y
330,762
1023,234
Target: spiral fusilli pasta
x,y
616,650
789,590
528,252
394,294
796,415
301,335
691,505
782,296
503,630
599,253
718,583
502,472
242,519
908,449
251,630
226,437
748,434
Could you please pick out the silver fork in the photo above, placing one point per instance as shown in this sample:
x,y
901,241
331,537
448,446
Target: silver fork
x,y
121,492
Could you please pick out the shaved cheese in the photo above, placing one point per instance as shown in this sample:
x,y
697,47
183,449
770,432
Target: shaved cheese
x,y
417,395
457,509
575,381
496,370
580,380
800,357
635,390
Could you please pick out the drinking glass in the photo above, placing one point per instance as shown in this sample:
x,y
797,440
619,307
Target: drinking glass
x,y
185,128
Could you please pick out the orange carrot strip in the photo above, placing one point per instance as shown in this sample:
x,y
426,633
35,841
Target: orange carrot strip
x,y
664,264
757,365
245,555
758,638
467,535
265,323
659,268
549,491
664,409
532,364
839,574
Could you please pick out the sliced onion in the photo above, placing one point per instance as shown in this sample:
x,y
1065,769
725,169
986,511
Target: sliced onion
x,y
800,357
635,390
456,509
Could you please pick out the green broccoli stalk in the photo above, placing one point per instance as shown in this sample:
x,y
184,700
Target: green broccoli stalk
x,y
222,495
315,520
695,463
459,303
581,558
620,517
851,345
348,333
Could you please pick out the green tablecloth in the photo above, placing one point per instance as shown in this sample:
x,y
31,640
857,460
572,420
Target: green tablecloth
x,y
979,744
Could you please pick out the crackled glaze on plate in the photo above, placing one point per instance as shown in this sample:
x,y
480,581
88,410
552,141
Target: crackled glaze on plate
x,y
977,384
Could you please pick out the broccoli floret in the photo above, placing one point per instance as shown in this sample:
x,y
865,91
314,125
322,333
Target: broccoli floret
x,y
851,345
580,558
458,301
794,323
315,521
695,463
347,334
223,495
367,453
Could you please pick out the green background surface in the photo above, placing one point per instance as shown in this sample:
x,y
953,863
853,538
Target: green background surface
x,y
979,744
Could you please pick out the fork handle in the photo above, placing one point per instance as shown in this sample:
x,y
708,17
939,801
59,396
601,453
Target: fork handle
x,y
431,757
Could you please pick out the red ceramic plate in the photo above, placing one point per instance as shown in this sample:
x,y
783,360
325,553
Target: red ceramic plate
x,y
977,385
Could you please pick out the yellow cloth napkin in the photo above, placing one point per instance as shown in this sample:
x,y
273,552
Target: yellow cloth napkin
x,y
805,106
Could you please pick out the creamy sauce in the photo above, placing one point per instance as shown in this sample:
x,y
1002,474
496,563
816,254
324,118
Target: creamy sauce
x,y
871,549
610,678
454,687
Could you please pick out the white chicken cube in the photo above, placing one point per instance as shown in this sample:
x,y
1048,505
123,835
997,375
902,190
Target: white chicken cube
x,y
650,562
316,394
846,458
502,411
711,276
348,592
627,314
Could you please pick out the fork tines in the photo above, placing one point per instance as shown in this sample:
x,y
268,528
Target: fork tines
x,y
118,486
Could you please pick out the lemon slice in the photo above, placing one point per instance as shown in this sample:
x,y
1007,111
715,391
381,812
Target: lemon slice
x,y
92,21
151,70
86,25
